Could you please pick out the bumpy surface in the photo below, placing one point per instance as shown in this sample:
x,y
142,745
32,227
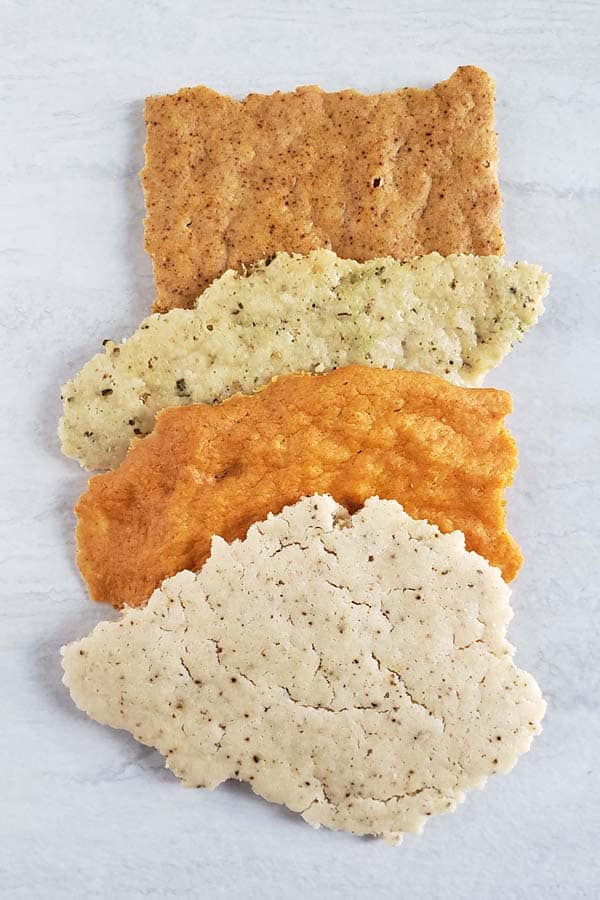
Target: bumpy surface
x,y
355,669
399,174
439,449
451,316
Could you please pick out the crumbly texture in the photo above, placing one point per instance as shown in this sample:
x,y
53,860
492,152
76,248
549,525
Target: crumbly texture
x,y
455,316
353,668
399,174
440,450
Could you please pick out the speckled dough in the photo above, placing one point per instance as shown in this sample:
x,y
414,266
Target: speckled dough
x,y
354,669
357,432
398,174
453,316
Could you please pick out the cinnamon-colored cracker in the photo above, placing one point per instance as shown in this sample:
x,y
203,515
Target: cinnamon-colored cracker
x,y
439,449
403,173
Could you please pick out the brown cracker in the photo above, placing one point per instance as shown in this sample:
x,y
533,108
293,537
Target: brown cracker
x,y
402,174
438,449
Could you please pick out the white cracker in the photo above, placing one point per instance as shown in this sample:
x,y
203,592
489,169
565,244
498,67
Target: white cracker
x,y
455,316
354,669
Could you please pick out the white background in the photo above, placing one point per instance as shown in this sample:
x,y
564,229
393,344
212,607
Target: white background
x,y
87,812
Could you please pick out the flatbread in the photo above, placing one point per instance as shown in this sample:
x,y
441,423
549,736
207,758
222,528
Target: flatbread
x,y
439,449
399,174
454,316
354,669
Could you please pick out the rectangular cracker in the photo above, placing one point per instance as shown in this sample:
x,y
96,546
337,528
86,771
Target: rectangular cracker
x,y
398,174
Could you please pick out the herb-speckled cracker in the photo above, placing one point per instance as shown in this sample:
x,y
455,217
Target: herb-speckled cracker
x,y
354,669
439,449
454,316
400,174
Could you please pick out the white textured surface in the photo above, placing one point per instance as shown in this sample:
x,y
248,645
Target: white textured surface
x,y
86,812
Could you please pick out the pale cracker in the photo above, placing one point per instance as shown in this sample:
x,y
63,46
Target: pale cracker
x,y
454,316
355,669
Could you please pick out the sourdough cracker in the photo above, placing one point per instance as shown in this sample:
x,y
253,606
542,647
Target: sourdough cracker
x,y
397,174
439,449
354,668
454,316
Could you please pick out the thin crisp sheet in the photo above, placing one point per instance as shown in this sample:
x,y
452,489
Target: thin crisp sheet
x,y
398,174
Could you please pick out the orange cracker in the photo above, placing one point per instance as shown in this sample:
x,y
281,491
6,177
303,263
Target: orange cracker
x,y
438,449
402,174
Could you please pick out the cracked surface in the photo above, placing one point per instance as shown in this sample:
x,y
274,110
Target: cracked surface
x,y
398,174
440,450
355,669
455,316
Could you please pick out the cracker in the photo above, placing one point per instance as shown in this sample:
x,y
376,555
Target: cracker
x,y
397,174
453,316
354,669
439,449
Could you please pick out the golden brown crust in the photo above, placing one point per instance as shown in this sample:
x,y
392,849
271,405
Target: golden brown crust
x,y
403,173
440,450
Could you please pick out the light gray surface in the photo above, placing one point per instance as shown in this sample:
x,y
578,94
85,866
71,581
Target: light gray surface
x,y
86,812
